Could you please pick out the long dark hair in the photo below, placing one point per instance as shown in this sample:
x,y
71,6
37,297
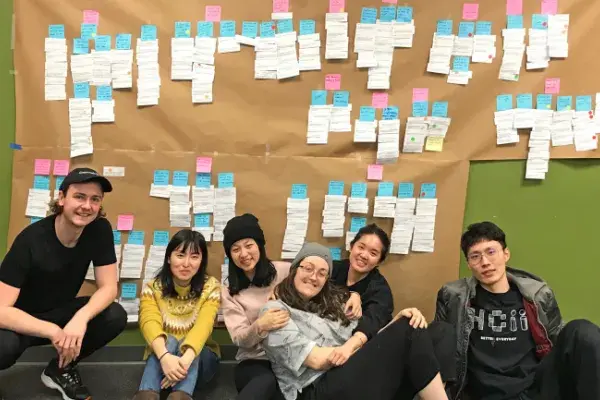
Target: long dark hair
x,y
328,303
374,229
264,273
195,242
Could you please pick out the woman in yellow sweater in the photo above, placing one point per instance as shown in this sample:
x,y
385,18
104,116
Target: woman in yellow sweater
x,y
177,315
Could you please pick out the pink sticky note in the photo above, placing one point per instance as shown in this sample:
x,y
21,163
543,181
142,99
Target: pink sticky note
x,y
203,164
549,7
281,6
470,11
390,1
514,7
379,100
125,222
61,168
91,17
336,6
375,172
420,94
333,81
212,13
552,86
42,166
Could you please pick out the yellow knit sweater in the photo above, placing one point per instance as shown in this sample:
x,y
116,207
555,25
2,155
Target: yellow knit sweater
x,y
181,317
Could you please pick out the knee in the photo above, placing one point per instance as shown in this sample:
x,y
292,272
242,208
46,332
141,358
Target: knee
x,y
584,331
442,332
9,349
114,318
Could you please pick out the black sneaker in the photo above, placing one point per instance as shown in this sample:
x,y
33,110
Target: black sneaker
x,y
67,381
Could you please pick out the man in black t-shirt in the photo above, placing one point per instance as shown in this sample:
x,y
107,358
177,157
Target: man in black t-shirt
x,y
42,274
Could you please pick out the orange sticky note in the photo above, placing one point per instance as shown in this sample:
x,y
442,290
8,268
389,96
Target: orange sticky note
x,y
333,81
203,164
212,13
552,86
375,172
125,222
470,11
42,166
61,167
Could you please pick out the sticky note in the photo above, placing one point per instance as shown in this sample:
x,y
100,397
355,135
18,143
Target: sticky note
x,y
514,22
387,13
80,46
434,143
440,109
356,223
299,191
385,189
212,13
368,15
281,6
358,189
225,180
41,182
564,103
390,113
88,31
428,190
504,102
203,164
202,220
116,237
307,26
514,7
420,108
148,33
104,93
136,237
337,6
227,29
333,81
375,172
123,41
81,90
42,166
267,29
444,27
33,220
466,29
379,100
483,28
460,63
160,238
552,86
180,178
420,94
525,101
203,180
336,253
91,17
205,29
544,102
128,290
102,43
341,98
161,177
583,103
470,11
183,29
61,168
406,190
285,26
56,31
539,21
318,98
59,181
125,222
336,188
390,1
250,29
404,14
549,7
367,114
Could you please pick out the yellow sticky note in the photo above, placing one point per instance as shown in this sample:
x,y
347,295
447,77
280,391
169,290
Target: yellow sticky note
x,y
434,143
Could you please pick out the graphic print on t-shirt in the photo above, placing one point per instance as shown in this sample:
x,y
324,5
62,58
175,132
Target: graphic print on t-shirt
x,y
500,321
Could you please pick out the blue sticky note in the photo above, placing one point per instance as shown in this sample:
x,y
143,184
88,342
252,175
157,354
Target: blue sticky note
x,y
428,190
266,29
336,253
583,103
148,33
341,98
307,26
336,188
161,177
116,237
544,102
404,14
318,98
180,178
202,220
299,190
161,238
539,21
466,29
123,41
444,27
356,223
225,180
205,29
88,31
420,108
385,189
41,182
358,189
367,113
104,93
368,15
183,29
285,26
102,43
564,103
203,180
81,46
439,109
81,90
56,31
390,113
504,102
483,28
33,220
250,29
136,237
387,13
460,63
406,190
525,100
227,29
59,181
514,22
128,290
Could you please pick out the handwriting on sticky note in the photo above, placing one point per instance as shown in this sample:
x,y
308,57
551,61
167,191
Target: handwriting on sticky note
x,y
128,290
420,94
125,222
42,166
337,6
203,164
333,81
434,143
379,100
212,13
281,6
514,7
549,7
470,11
91,17
375,172
61,168
552,86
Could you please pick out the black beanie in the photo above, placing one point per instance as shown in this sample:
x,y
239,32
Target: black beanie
x,y
242,227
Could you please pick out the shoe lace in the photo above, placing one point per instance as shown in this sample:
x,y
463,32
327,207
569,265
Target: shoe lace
x,y
72,376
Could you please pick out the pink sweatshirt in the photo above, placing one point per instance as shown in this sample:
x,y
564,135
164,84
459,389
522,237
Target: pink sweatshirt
x,y
240,313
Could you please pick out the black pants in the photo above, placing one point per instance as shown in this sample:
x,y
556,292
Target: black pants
x,y
395,365
254,380
100,330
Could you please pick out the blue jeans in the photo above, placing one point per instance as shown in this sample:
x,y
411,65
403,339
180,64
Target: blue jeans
x,y
201,371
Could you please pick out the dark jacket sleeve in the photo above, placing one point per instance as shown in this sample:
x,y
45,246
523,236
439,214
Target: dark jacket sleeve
x,y
441,305
553,314
377,307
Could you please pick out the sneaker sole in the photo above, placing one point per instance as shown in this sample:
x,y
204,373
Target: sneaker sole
x,y
49,383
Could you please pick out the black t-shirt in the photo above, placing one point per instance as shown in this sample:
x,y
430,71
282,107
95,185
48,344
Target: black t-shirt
x,y
502,361
48,273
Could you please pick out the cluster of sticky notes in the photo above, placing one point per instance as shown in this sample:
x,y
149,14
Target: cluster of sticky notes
x,y
43,169
369,113
420,102
387,13
544,102
341,98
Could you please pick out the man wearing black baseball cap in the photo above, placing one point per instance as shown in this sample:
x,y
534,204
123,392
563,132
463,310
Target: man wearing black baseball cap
x,y
42,274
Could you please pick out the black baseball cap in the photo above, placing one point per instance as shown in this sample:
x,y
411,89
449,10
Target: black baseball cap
x,y
84,175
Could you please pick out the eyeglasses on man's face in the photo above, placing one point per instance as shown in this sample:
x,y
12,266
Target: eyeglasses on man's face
x,y
476,257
